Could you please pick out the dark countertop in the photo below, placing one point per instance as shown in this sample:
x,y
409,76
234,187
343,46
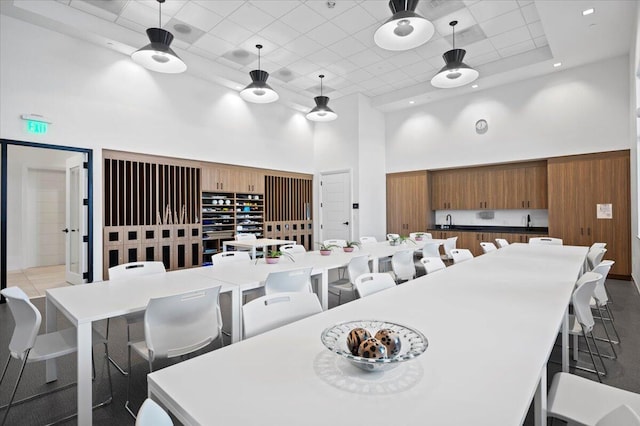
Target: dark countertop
x,y
478,228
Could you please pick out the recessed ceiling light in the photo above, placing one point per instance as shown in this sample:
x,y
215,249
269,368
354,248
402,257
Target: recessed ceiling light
x,y
474,86
412,102
557,64
588,11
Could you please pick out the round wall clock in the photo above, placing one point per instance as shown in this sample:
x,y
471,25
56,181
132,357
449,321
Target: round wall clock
x,y
481,126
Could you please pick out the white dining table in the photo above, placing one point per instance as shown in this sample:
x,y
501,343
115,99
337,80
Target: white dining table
x,y
252,245
491,323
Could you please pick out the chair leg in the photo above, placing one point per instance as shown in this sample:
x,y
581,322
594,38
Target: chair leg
x,y
111,360
15,388
606,331
126,404
604,367
593,360
6,366
612,322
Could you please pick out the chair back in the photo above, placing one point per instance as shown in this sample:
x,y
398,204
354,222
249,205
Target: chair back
x,y
183,323
450,244
135,269
339,243
246,237
546,240
229,257
367,240
293,248
26,318
487,247
431,249
595,256
275,310
392,236
621,416
402,265
297,280
600,293
425,235
432,264
597,245
357,266
371,283
581,299
151,414
460,255
502,242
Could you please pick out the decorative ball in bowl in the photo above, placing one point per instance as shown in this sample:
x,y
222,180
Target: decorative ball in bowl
x,y
373,345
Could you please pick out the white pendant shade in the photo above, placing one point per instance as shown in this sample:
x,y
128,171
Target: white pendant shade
x,y
455,73
321,112
258,91
405,29
157,55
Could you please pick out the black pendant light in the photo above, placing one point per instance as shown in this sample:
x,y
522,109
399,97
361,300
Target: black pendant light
x,y
258,91
405,29
455,73
157,55
321,112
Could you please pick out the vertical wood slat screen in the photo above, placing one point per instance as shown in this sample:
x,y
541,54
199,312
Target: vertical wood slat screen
x,y
135,193
287,201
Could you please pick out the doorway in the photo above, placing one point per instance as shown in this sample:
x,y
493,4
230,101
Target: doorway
x,y
335,205
46,230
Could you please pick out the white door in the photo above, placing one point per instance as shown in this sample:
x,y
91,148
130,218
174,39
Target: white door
x,y
335,206
76,220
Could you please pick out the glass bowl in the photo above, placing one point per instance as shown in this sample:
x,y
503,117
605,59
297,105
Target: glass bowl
x,y
414,343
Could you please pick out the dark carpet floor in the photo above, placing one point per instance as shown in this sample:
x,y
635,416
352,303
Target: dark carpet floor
x,y
623,372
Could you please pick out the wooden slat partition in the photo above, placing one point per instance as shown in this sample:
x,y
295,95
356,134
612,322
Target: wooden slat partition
x,y
287,200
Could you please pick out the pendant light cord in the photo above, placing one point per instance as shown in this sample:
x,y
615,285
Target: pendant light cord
x,y
159,14
453,28
321,77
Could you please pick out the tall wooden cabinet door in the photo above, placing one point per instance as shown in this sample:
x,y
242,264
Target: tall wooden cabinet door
x,y
535,187
417,211
514,182
224,179
494,190
437,191
395,205
564,205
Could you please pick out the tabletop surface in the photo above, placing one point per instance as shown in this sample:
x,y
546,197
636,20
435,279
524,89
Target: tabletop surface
x,y
491,324
259,242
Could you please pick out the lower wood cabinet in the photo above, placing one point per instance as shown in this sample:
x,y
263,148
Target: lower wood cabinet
x,y
471,240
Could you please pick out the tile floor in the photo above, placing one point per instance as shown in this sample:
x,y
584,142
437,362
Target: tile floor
x,y
35,281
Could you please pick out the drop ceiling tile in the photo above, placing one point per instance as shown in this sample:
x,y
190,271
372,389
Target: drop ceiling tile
x,y
230,32
437,62
108,10
477,60
268,46
470,2
222,8
360,75
342,67
64,2
536,29
251,17
180,44
303,46
418,69
436,9
324,57
354,20
203,53
433,48
284,74
468,36
485,10
169,8
328,32
517,48
183,31
353,88
303,67
276,8
530,13
265,65
365,58
382,67
315,88
479,48
303,18
541,41
231,64
379,10
372,83
131,25
241,57
464,18
302,82
280,33
366,36
143,15
347,47
524,2
198,16
214,45
510,38
283,56
380,90
502,23
407,57
402,83
322,9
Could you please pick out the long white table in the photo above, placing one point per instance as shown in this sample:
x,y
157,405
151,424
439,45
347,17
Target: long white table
x,y
491,324
254,244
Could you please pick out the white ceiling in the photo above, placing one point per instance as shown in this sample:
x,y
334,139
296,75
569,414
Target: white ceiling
x,y
506,40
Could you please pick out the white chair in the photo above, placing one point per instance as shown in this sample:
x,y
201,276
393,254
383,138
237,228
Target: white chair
x,y
367,240
177,325
581,323
27,346
600,300
371,283
449,244
432,264
357,266
403,266
501,242
229,256
546,240
582,401
297,280
598,245
339,243
461,255
431,249
275,310
246,237
151,414
488,247
293,248
595,256
425,235
127,271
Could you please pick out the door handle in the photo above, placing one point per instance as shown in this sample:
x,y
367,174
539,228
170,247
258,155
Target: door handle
x,y
345,223
65,230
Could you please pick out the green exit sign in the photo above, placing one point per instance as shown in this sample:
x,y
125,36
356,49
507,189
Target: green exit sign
x,y
37,127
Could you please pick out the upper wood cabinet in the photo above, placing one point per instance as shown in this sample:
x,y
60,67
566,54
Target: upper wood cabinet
x,y
407,202
247,180
577,185
216,178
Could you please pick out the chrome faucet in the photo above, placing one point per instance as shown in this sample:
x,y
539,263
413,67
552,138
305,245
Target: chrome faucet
x,y
528,221
448,220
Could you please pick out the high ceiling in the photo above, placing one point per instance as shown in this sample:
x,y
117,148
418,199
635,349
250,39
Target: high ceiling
x,y
506,40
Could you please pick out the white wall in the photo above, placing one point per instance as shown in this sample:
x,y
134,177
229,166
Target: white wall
x,y
579,110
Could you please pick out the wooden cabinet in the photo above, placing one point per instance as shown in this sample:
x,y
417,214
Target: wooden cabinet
x,y
577,185
216,178
407,202
247,180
